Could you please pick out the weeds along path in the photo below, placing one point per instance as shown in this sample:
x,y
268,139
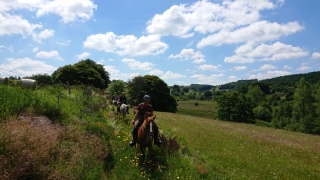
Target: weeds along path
x,y
244,151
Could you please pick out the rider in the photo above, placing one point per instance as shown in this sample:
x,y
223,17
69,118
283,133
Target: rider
x,y
122,100
140,112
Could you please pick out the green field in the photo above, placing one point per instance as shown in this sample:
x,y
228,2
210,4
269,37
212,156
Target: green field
x,y
206,109
226,150
88,141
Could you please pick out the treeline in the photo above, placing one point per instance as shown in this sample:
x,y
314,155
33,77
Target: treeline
x,y
299,111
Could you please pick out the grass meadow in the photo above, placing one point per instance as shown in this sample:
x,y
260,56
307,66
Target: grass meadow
x,y
51,134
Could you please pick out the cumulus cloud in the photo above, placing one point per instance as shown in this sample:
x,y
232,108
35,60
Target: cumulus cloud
x,y
84,55
258,31
64,43
269,74
126,44
155,72
138,65
49,54
171,75
209,67
266,67
10,48
183,20
35,49
189,54
69,11
287,67
25,67
238,59
14,24
240,68
304,67
316,55
213,79
232,78
43,35
273,52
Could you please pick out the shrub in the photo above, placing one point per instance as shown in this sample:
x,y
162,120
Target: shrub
x,y
262,113
196,103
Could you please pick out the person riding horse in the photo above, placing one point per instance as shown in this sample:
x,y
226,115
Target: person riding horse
x,y
122,100
140,113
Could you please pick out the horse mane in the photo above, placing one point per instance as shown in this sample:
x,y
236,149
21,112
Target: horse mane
x,y
147,118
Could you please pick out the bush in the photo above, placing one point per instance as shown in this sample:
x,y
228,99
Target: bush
x,y
196,103
262,113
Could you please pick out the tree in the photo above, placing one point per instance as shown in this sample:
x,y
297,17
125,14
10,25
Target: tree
x,y
85,72
42,79
208,94
304,110
255,94
159,91
234,106
116,87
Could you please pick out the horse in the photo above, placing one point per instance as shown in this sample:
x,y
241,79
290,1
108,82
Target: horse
x,y
146,136
123,110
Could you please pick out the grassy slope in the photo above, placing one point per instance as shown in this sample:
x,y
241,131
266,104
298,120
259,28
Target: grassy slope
x,y
244,151
207,109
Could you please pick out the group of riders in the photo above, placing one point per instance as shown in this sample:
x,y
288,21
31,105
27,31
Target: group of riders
x,y
139,115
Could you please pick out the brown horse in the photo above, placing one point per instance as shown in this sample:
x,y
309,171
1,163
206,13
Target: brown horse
x,y
146,136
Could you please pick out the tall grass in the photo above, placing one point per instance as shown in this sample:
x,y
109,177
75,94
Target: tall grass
x,y
244,151
51,134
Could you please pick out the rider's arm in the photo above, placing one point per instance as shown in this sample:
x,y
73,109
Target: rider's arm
x,y
136,114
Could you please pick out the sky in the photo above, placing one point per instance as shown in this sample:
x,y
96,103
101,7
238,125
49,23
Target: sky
x,y
182,42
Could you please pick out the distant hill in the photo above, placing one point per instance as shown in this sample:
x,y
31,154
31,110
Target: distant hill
x,y
289,80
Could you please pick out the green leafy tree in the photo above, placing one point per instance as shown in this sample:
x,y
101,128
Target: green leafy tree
x,y
304,109
255,94
282,115
262,113
208,94
185,89
116,87
234,106
316,93
42,79
159,91
85,72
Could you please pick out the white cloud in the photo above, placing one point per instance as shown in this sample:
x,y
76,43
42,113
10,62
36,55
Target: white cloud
x,y
10,48
35,49
171,75
181,20
240,68
126,44
209,67
266,67
304,67
49,54
213,79
14,24
64,43
232,78
112,70
274,52
189,54
25,67
155,72
69,11
238,59
316,55
287,67
134,64
84,55
258,32
43,35
269,74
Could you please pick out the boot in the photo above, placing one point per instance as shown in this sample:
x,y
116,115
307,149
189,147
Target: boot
x,y
134,136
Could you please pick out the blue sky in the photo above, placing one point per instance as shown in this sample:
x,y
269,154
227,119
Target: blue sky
x,y
182,41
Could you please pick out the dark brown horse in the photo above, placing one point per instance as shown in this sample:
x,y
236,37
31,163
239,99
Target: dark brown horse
x,y
146,136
